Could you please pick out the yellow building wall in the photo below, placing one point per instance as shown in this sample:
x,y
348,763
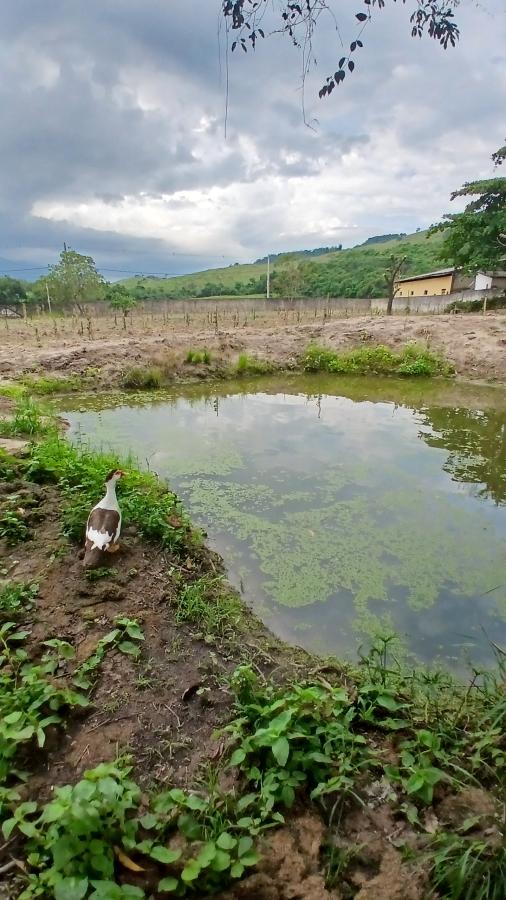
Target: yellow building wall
x,y
441,284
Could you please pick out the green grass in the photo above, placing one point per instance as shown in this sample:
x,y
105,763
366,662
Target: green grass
x,y
465,868
412,361
27,420
46,385
80,474
250,365
142,378
204,604
195,357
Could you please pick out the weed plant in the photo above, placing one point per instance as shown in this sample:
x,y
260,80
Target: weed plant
x,y
143,378
250,365
16,599
196,357
27,421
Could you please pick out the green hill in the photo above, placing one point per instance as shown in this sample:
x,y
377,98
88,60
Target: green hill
x,y
357,272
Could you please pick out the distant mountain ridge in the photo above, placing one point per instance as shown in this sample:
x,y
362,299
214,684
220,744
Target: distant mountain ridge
x,y
383,238
355,272
318,251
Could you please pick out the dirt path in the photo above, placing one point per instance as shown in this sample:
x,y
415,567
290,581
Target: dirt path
x,y
476,344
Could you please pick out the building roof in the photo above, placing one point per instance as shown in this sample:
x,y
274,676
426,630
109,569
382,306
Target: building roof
x,y
427,275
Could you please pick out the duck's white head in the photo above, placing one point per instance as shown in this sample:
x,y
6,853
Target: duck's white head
x,y
114,476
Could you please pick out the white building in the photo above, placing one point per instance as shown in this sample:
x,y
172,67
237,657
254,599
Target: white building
x,y
487,280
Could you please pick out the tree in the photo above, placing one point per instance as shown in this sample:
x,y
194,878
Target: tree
x,y
394,270
74,279
118,298
12,295
300,20
290,280
476,238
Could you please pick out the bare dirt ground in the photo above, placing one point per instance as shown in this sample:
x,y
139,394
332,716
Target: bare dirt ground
x,y
476,344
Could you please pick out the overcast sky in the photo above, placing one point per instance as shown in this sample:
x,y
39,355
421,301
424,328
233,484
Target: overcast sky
x,y
113,139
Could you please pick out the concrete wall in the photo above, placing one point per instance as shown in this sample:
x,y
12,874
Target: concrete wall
x,y
431,304
333,306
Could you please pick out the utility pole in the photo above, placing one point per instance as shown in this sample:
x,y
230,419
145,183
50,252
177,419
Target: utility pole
x,y
48,298
268,277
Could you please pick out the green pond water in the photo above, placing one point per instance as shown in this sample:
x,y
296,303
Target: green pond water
x,y
343,508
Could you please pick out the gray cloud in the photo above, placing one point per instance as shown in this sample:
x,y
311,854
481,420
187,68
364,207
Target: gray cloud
x,y
113,133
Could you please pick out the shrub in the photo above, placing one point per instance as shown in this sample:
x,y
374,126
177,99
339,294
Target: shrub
x,y
471,306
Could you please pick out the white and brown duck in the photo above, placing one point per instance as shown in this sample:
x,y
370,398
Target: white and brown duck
x,y
103,527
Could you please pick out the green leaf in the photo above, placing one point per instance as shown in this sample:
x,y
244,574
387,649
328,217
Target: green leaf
x,y
221,861
24,734
195,802
206,855
148,821
226,841
281,750
191,871
250,859
433,775
415,783
7,827
238,756
237,870
12,718
280,722
129,648
287,795
164,855
168,884
245,845
388,702
71,889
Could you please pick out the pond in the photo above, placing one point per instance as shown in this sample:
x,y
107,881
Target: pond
x,y
342,508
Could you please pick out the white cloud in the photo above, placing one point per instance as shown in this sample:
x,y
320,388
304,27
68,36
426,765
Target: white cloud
x,y
121,131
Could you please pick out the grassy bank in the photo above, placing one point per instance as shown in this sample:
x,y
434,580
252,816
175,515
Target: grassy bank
x,y
411,361
356,752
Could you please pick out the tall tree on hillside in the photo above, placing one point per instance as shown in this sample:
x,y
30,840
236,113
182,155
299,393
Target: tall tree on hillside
x,y
302,19
476,238
74,280
393,272
289,280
